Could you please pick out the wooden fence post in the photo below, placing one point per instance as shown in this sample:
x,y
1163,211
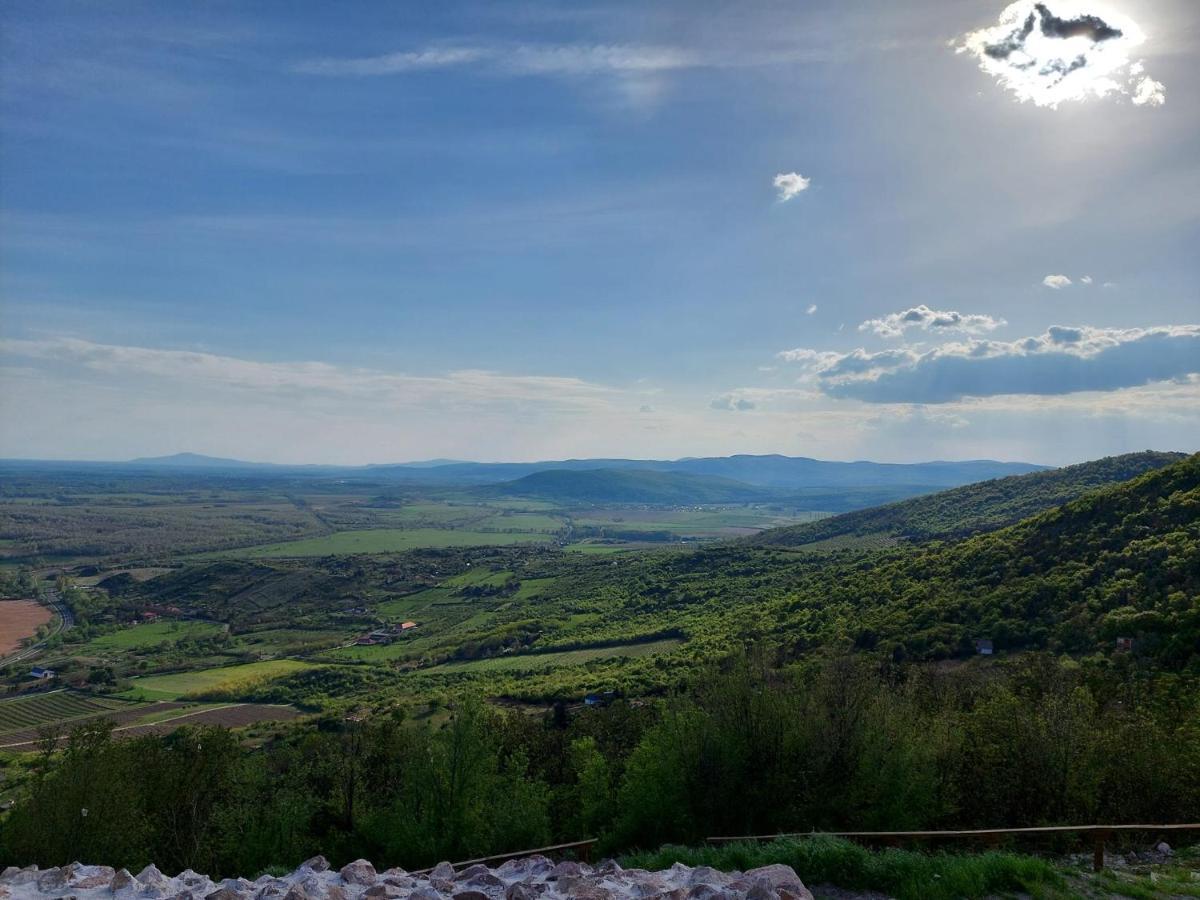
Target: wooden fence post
x,y
1098,849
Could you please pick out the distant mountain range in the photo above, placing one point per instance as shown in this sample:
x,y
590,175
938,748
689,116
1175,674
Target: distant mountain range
x,y
773,471
768,471
196,461
629,486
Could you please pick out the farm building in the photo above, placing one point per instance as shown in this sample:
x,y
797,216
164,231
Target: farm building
x,y
984,646
1124,643
37,672
385,635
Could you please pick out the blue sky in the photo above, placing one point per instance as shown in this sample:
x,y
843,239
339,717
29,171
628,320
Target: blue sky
x,y
318,232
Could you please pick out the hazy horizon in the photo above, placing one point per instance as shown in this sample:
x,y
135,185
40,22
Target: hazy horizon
x,y
528,461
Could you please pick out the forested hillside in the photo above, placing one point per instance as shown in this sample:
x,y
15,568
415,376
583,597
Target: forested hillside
x,y
966,510
1120,562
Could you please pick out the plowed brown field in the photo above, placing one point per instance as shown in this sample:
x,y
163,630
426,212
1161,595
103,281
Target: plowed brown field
x,y
19,619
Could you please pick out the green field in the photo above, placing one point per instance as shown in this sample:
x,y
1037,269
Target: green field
x,y
480,575
151,634
414,604
523,522
379,653
534,587
384,540
225,678
36,710
445,515
598,549
280,641
709,522
529,662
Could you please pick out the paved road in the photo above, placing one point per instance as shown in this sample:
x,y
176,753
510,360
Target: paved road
x,y
65,622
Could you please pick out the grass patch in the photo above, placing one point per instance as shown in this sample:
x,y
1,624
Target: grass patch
x,y
533,661
151,634
207,681
523,522
411,604
534,587
384,540
479,576
904,874
421,515
281,641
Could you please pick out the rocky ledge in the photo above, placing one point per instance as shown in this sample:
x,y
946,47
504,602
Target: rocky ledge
x,y
528,878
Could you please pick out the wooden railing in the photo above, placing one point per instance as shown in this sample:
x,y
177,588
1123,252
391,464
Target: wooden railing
x,y
1100,834
582,849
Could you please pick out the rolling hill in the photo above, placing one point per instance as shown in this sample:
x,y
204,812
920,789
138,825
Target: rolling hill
x,y
966,510
600,486
1123,561
194,461
772,470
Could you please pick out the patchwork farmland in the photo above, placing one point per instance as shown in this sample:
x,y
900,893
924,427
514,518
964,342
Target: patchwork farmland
x,y
35,710
25,720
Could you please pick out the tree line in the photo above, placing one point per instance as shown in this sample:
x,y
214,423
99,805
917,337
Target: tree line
x,y
837,743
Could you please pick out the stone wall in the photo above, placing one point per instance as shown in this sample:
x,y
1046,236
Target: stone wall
x,y
518,879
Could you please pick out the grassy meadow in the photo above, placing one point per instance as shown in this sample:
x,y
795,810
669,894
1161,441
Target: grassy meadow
x,y
150,635
530,662
180,685
384,540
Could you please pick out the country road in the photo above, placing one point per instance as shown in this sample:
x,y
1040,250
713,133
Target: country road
x,y
65,622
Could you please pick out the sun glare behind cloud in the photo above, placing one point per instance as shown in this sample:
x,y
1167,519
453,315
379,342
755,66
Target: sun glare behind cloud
x,y
1063,51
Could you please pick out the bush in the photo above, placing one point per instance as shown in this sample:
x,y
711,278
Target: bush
x,y
905,874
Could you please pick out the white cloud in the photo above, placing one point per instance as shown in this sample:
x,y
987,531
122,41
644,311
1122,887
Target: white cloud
x,y
521,59
1062,360
462,389
1086,279
732,402
790,184
1061,51
636,71
1149,93
394,63
812,308
818,359
1057,282
575,59
895,324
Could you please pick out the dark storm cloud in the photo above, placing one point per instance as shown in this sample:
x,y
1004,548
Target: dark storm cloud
x,y
1093,28
1013,42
